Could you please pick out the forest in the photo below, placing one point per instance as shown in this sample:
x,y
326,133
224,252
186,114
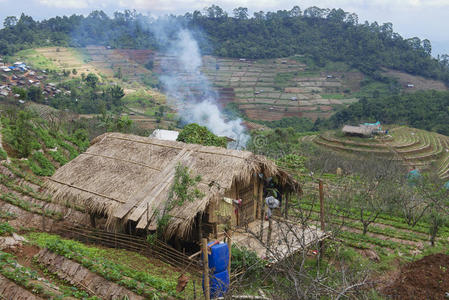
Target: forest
x,y
321,34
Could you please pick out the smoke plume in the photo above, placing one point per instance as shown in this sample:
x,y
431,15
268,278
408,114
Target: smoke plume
x,y
192,92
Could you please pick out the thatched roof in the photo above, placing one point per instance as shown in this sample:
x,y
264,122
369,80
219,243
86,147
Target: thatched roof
x,y
357,130
120,176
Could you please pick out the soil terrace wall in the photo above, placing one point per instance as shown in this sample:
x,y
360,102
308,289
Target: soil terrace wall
x,y
78,275
9,290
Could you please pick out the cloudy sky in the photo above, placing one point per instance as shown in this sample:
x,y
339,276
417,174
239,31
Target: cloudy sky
x,y
422,18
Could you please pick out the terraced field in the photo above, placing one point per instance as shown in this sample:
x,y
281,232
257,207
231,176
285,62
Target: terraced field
x,y
127,66
388,242
68,59
269,89
416,148
274,89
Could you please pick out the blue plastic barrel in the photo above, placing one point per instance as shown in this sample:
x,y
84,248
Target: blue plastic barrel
x,y
219,258
219,284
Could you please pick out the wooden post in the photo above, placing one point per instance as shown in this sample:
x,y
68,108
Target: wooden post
x,y
92,220
270,224
320,185
229,242
194,289
287,198
321,243
255,198
260,199
215,230
206,269
200,223
148,217
262,217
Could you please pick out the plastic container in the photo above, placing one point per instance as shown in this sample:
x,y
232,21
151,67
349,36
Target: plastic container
x,y
219,284
219,258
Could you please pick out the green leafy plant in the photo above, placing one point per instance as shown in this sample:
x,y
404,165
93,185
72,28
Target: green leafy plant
x,y
184,188
3,154
246,260
40,165
6,229
196,134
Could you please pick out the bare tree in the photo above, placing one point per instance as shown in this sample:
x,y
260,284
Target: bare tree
x,y
436,196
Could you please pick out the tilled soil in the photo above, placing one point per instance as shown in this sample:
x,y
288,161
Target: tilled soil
x,y
427,278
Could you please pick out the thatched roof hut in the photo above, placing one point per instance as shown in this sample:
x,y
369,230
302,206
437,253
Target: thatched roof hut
x,y
128,178
363,131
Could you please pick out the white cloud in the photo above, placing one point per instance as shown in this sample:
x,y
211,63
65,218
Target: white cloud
x,y
190,5
65,3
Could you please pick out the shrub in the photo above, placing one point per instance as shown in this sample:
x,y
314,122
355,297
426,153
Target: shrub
x,y
59,157
246,260
196,134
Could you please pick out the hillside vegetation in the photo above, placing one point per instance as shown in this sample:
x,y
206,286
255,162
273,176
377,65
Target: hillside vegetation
x,y
425,110
321,34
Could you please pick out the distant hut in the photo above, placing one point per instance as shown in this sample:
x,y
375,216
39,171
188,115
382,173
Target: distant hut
x,y
362,131
127,179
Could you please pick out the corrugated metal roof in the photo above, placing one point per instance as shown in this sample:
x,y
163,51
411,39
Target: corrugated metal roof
x,y
166,135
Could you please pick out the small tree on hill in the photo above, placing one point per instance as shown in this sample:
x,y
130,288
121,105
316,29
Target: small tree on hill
x,y
91,80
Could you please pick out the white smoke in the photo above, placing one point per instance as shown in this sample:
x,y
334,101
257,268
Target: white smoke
x,y
192,92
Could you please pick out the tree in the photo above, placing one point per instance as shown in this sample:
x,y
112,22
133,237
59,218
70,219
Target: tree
x,y
118,74
427,46
366,197
215,11
295,11
35,94
116,93
74,71
431,188
19,132
259,16
10,22
91,80
409,203
240,13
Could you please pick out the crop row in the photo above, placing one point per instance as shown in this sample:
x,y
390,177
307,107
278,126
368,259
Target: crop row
x,y
29,279
23,188
90,257
31,207
386,219
373,228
